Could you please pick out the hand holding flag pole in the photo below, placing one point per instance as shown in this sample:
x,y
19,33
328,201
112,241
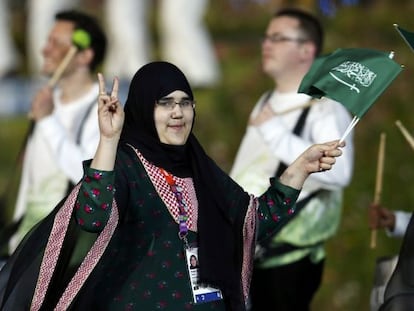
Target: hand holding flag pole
x,y
378,183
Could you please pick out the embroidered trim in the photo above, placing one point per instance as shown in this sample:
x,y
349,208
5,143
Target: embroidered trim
x,y
54,246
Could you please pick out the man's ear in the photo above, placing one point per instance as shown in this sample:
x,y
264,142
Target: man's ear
x,y
308,50
85,57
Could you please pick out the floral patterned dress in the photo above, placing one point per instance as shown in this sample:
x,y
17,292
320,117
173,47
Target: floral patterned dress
x,y
141,265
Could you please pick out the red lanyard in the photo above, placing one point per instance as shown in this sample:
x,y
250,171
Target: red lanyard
x,y
182,206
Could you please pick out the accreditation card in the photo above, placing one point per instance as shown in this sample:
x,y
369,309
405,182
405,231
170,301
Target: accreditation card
x,y
201,292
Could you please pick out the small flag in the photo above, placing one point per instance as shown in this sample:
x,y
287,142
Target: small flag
x,y
353,77
407,36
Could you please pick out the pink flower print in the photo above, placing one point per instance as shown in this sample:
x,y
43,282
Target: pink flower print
x,y
88,209
161,305
97,175
176,295
270,202
81,222
104,206
129,306
162,284
110,187
275,218
287,201
167,244
150,253
87,179
95,192
96,223
179,274
261,216
150,276
166,264
77,205
147,294
291,211
133,285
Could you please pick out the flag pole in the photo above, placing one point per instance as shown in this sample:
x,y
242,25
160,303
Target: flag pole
x,y
378,183
405,133
403,36
349,128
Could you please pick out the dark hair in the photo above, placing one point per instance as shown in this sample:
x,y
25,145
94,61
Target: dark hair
x,y
89,24
309,25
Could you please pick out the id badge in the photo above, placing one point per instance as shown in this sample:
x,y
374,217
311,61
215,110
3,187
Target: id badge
x,y
201,292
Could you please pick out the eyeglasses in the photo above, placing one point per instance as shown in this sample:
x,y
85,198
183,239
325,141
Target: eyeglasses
x,y
276,38
169,103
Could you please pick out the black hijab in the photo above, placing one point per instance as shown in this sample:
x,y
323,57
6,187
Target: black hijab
x,y
219,238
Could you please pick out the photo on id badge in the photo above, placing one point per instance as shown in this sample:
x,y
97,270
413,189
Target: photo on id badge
x,y
201,292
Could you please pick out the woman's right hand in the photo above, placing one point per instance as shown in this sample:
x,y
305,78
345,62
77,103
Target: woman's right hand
x,y
111,118
110,110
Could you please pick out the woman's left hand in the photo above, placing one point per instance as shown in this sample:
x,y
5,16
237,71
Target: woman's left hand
x,y
317,158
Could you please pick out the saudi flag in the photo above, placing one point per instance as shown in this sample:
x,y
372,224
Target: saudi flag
x,y
353,77
407,36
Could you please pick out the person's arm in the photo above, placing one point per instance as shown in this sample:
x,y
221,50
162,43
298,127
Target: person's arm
x,y
278,204
394,222
99,175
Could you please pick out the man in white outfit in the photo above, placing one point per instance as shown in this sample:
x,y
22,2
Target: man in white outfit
x,y
66,130
289,268
184,39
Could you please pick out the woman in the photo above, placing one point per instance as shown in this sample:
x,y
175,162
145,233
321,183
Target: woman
x,y
149,196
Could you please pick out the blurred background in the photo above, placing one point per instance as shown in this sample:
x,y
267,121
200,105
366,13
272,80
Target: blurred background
x,y
236,27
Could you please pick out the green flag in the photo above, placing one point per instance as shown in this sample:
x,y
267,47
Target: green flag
x,y
407,36
353,77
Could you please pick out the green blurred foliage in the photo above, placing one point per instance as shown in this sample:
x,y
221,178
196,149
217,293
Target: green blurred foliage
x,y
222,113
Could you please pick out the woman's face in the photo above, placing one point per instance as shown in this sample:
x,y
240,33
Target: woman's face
x,y
174,121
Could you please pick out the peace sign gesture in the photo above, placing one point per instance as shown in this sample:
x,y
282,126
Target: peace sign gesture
x,y
110,110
